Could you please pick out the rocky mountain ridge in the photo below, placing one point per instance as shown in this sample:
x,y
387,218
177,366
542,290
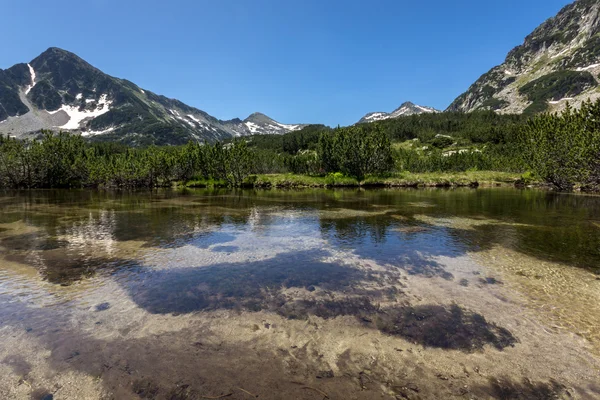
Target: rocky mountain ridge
x,y
406,109
60,91
558,62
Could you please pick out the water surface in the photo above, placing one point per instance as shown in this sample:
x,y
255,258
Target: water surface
x,y
486,293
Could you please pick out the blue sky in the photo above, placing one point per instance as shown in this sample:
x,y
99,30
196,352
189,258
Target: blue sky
x,y
308,61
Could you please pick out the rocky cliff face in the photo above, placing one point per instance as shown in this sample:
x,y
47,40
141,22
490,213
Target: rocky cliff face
x,y
60,91
558,62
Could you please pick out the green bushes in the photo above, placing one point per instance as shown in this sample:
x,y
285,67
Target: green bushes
x,y
442,141
356,152
564,150
557,85
63,161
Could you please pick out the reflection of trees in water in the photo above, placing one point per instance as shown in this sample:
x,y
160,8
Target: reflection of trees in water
x,y
549,226
381,238
83,228
75,243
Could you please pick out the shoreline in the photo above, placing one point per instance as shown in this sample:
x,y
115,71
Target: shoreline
x,y
402,180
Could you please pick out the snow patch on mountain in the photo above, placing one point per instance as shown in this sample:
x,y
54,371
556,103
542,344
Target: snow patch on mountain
x,y
76,116
253,127
588,67
426,109
376,116
561,100
190,116
32,72
288,127
95,133
404,110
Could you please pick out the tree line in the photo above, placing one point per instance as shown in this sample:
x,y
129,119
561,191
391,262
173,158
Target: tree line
x,y
561,149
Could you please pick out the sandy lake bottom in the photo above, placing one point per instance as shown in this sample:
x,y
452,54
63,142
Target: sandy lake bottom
x,y
312,294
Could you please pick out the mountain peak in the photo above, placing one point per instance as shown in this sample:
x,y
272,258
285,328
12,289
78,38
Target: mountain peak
x,y
56,52
259,123
257,116
558,62
60,91
406,109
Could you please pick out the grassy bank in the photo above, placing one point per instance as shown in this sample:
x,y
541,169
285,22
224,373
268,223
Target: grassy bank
x,y
405,179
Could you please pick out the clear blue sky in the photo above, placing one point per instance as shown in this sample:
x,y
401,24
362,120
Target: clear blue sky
x,y
309,61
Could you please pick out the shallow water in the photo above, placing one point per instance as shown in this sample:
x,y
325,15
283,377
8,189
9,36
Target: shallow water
x,y
474,293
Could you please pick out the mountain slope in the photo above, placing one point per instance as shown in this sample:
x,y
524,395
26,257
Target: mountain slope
x,y
58,90
558,62
404,110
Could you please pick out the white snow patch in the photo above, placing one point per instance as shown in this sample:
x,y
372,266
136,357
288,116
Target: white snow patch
x,y
79,96
190,116
76,116
377,116
142,90
288,127
175,112
562,52
94,133
190,123
425,109
253,127
32,72
563,99
588,67
90,100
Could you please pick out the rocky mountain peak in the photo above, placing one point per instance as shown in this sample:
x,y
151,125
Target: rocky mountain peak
x,y
406,109
60,91
558,62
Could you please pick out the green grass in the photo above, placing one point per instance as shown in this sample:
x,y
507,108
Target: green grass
x,y
404,179
293,180
446,179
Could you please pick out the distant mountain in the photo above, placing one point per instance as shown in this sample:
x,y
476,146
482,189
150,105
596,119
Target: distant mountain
x,y
404,110
60,91
258,123
558,62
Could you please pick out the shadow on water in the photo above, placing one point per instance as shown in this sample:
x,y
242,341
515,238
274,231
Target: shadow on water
x,y
225,249
252,285
65,268
262,285
447,327
31,241
507,389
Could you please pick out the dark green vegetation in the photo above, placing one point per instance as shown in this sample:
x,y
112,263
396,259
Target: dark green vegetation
x,y
450,142
64,160
356,152
444,142
555,86
564,150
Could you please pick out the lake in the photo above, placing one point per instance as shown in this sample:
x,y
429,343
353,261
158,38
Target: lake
x,y
308,294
